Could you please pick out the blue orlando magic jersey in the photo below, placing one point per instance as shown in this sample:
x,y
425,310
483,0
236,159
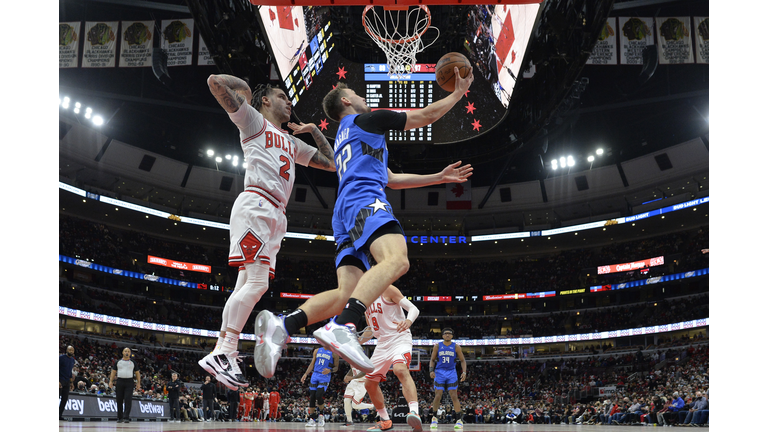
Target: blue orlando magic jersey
x,y
361,164
323,359
446,356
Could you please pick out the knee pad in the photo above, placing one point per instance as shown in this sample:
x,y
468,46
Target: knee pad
x,y
319,394
312,398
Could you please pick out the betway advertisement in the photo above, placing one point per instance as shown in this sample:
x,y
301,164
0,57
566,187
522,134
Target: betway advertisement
x,y
97,406
616,268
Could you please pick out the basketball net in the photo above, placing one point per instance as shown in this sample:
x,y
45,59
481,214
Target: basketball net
x,y
398,31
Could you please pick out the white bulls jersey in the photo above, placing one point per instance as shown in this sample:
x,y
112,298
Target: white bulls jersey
x,y
355,372
271,154
383,317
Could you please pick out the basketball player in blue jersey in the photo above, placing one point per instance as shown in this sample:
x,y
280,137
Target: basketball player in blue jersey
x,y
320,367
445,354
363,222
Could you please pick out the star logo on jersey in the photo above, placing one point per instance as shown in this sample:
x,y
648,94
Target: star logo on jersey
x,y
378,205
341,73
323,125
476,125
470,108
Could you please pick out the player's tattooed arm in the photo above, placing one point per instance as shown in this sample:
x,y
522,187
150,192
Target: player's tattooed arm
x,y
323,158
230,91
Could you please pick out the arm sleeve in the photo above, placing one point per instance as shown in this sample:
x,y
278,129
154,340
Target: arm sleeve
x,y
381,121
413,311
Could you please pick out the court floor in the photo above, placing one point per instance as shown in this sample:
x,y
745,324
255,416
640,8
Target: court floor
x,y
147,426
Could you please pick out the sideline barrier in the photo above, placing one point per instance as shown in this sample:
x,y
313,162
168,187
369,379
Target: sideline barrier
x,y
90,406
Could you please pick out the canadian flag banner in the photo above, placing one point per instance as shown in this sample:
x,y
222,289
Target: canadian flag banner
x,y
458,196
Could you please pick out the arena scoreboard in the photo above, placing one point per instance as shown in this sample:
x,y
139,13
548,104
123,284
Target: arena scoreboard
x,y
404,92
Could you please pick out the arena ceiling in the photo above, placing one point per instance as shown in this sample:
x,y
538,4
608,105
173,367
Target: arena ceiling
x,y
616,107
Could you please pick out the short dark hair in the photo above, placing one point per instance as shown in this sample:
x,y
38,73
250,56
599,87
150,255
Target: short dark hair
x,y
332,102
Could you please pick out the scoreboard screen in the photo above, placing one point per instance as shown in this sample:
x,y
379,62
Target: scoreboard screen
x,y
412,91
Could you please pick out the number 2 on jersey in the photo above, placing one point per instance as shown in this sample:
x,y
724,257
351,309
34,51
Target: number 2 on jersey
x,y
342,158
285,168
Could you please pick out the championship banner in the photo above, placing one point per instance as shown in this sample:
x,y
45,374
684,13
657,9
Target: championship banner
x,y
100,44
69,43
178,264
636,34
701,30
203,54
675,45
605,51
136,43
177,41
616,268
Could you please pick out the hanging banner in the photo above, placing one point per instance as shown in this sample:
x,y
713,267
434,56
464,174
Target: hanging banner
x,y
636,34
675,45
136,43
69,34
203,55
177,41
458,196
605,50
100,44
701,30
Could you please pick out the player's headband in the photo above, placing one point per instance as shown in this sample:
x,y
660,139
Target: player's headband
x,y
449,331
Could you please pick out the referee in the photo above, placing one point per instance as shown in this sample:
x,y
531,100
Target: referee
x,y
125,371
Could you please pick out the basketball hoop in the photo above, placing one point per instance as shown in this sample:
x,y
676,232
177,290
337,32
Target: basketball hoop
x,y
397,30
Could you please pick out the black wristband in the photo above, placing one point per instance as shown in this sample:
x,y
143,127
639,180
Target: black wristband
x,y
431,368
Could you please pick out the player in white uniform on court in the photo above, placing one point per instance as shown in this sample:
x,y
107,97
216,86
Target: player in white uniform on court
x,y
394,343
355,391
257,221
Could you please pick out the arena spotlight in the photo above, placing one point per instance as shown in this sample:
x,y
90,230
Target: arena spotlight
x,y
209,153
562,162
98,120
599,152
554,164
218,159
228,157
591,158
245,165
571,162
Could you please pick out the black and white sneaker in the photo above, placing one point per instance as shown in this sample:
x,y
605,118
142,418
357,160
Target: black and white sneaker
x,y
224,368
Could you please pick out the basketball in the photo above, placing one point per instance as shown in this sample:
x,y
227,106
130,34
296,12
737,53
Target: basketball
x,y
444,74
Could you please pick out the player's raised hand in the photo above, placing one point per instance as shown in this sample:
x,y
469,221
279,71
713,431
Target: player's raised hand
x,y
454,173
462,84
301,127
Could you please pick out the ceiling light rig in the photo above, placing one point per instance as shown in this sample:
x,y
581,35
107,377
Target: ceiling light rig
x,y
234,160
570,161
77,108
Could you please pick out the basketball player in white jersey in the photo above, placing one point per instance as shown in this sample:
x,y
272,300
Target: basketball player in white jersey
x,y
355,391
393,348
257,221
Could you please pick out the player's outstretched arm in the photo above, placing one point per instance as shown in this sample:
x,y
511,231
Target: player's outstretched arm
x,y
432,112
453,173
433,361
230,91
323,158
311,365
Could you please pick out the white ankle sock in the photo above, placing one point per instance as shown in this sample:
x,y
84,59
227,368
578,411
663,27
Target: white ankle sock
x,y
383,414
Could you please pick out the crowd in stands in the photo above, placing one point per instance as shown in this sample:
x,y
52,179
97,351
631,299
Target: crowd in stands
x,y
557,323
655,386
568,269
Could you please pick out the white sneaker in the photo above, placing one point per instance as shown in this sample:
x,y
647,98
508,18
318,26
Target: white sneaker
x,y
414,421
342,340
311,423
320,420
433,425
271,338
459,425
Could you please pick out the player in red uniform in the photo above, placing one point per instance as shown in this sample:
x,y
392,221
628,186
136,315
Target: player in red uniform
x,y
274,403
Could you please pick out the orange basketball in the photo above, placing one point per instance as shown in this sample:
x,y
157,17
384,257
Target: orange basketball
x,y
444,74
